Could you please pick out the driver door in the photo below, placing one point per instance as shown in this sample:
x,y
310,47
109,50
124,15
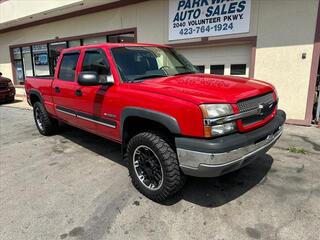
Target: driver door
x,y
90,98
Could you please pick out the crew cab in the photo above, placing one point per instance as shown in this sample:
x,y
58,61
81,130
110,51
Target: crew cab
x,y
171,120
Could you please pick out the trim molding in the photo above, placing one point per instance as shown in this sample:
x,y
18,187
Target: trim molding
x,y
253,60
314,70
108,6
87,117
78,37
205,41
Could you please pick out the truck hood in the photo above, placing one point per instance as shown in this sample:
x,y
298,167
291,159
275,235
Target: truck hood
x,y
205,88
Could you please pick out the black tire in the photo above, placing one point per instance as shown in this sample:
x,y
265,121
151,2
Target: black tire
x,y
11,100
172,177
45,124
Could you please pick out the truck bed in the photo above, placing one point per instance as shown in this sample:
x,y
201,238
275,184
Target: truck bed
x,y
43,87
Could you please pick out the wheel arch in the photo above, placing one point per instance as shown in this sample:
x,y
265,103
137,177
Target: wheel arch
x,y
144,119
35,96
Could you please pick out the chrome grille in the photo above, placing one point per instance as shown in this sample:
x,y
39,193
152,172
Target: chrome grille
x,y
249,104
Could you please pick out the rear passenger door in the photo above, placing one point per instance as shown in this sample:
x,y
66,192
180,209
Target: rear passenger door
x,y
64,87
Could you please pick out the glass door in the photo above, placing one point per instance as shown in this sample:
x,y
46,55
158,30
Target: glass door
x,y
18,65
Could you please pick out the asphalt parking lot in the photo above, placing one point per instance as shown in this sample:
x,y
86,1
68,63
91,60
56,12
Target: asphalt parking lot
x,y
74,185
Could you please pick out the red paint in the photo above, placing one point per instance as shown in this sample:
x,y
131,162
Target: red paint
x,y
176,96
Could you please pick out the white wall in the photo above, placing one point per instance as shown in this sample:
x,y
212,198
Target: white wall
x,y
16,9
286,32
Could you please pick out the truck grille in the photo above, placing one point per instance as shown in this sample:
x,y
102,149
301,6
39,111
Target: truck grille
x,y
249,104
253,103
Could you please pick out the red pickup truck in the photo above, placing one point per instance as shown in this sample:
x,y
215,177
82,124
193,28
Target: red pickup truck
x,y
171,120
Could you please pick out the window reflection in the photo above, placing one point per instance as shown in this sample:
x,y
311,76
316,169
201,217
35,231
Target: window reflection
x,y
54,53
40,60
27,61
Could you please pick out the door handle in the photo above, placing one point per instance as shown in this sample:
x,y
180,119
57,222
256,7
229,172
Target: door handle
x,y
57,89
78,93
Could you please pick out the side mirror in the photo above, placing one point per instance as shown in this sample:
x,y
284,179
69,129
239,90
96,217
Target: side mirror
x,y
107,80
88,79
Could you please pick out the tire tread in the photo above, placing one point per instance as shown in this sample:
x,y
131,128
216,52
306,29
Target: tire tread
x,y
174,178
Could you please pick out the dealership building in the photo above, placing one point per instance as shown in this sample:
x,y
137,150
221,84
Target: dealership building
x,y
277,41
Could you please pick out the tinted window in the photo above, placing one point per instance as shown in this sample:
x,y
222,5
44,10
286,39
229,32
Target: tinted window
x,y
238,69
200,68
217,69
68,67
96,62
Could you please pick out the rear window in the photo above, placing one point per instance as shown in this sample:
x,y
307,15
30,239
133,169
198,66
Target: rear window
x,y
68,67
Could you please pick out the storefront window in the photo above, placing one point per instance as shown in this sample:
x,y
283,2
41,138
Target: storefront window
x,y
40,60
18,65
119,38
27,61
54,53
74,43
94,40
17,54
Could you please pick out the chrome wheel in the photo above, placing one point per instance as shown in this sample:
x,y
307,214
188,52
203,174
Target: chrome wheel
x,y
38,118
147,167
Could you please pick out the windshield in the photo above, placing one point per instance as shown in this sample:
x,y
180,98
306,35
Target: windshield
x,y
138,63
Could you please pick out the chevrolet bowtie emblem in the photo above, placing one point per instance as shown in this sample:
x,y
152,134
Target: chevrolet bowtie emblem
x,y
263,108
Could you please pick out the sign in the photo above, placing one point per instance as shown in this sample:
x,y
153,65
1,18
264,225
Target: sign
x,y
206,18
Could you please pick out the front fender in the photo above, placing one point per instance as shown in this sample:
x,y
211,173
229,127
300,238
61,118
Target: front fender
x,y
159,117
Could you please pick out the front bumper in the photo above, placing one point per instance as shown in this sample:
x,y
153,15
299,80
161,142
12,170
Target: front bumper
x,y
215,157
7,94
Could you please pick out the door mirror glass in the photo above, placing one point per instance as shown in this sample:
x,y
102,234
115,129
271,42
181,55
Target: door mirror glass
x,y
88,79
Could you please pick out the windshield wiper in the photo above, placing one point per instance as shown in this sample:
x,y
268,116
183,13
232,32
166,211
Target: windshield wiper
x,y
187,72
149,76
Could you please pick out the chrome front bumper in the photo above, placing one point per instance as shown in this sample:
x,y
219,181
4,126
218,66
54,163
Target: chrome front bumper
x,y
212,164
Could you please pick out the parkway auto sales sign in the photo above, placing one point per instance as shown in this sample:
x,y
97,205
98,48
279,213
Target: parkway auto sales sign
x,y
205,18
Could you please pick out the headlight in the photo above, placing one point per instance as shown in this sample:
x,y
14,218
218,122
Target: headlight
x,y
216,110
10,84
211,111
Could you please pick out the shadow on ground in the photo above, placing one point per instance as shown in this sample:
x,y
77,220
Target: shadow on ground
x,y
206,192
215,192
14,101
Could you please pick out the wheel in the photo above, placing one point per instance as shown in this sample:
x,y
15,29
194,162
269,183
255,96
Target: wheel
x,y
11,100
153,166
45,124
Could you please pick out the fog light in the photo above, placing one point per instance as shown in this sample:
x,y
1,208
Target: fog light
x,y
223,129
